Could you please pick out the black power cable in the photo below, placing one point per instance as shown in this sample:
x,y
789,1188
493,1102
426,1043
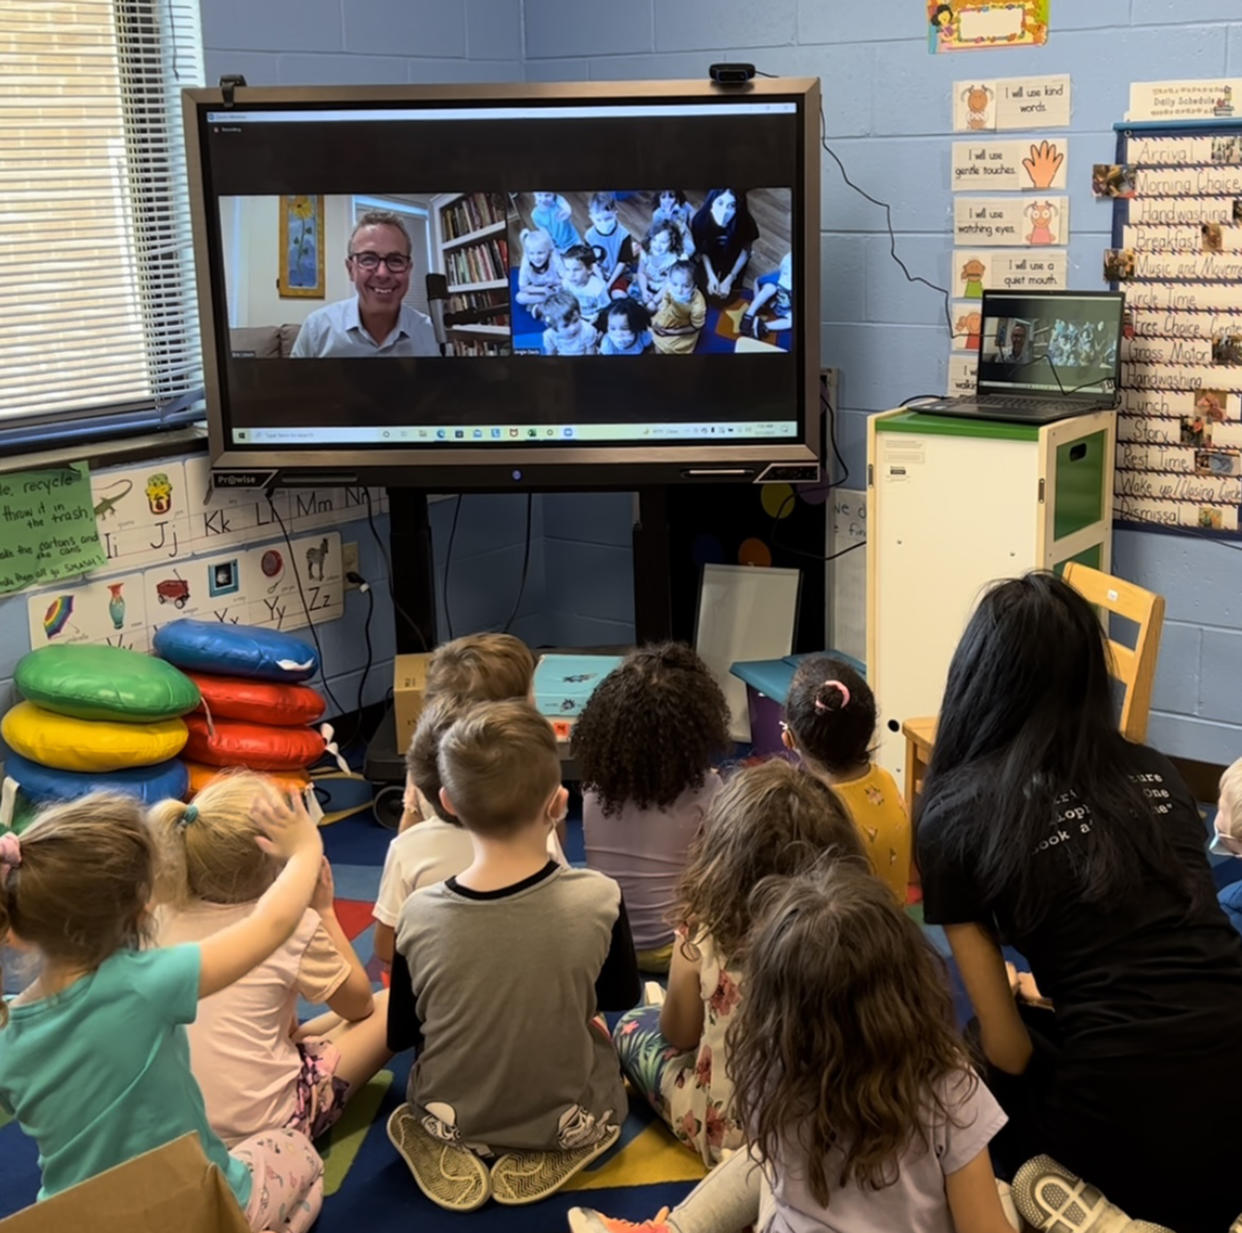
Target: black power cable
x,y
517,603
383,548
448,561
888,215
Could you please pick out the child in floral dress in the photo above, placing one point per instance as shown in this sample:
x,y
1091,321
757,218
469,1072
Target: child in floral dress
x,y
771,820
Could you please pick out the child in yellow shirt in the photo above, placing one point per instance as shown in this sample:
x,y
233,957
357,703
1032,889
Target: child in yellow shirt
x,y
829,721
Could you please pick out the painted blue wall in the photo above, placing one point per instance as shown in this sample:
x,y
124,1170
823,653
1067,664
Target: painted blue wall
x,y
887,106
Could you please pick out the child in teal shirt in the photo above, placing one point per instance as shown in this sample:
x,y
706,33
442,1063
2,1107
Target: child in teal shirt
x,y
94,1059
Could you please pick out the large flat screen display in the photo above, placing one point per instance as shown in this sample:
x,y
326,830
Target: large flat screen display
x,y
489,286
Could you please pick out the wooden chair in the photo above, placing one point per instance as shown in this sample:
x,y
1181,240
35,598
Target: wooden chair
x,y
1134,667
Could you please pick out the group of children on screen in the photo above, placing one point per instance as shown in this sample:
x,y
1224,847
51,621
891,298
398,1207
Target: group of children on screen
x,y
805,1045
609,293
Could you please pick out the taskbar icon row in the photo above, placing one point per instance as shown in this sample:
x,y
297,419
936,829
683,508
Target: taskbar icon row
x,y
509,434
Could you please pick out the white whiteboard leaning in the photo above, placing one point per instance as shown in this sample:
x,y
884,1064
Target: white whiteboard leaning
x,y
745,612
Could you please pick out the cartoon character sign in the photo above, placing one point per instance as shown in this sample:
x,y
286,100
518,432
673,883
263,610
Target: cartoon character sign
x,y
970,327
1043,216
978,101
972,276
159,493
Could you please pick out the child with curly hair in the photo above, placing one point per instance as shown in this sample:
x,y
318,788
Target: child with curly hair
x,y
769,821
646,742
829,722
257,1068
850,1078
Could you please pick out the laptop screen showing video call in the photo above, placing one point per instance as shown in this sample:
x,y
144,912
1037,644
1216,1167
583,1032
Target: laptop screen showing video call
x,y
438,273
1061,345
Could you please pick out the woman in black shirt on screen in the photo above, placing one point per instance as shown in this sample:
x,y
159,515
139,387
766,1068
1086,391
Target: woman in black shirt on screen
x,y
1043,828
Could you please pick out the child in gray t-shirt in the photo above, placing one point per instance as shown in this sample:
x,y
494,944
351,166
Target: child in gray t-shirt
x,y
498,976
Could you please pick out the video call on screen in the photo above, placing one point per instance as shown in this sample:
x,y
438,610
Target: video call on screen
x,y
372,298
1061,343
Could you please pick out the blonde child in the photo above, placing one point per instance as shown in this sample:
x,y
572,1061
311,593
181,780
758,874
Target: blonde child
x,y
567,332
94,1062
678,321
498,977
435,849
539,272
646,743
830,722
849,1076
257,1071
661,249
768,820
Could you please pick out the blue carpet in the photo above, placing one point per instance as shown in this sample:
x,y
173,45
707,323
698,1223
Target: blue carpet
x,y
377,1191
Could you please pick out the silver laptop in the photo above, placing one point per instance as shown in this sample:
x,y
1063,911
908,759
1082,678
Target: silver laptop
x,y
1043,355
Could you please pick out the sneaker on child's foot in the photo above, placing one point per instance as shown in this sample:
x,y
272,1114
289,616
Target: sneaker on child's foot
x,y
450,1175
527,1177
588,1220
1053,1200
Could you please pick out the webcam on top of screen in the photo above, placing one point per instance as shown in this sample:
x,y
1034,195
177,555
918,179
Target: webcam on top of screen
x,y
729,74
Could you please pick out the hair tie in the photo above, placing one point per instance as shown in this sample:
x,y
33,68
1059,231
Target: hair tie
x,y
822,707
10,851
188,815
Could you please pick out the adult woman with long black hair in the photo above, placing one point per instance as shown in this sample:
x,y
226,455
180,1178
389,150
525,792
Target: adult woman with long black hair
x,y
1043,828
724,233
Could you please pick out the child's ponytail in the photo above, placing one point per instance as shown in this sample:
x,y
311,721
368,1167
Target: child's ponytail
x,y
209,845
830,712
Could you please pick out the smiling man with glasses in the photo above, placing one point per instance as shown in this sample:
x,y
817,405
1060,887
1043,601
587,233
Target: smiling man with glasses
x,y
375,320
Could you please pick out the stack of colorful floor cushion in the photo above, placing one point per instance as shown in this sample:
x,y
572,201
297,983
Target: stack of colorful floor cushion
x,y
95,717
254,712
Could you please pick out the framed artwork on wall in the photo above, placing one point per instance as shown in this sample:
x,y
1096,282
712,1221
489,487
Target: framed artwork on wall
x,y
301,247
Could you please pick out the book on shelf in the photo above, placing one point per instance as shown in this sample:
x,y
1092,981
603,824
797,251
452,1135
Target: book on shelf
x,y
471,212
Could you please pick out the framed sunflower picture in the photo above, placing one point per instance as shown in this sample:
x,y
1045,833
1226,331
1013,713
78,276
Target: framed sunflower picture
x,y
301,247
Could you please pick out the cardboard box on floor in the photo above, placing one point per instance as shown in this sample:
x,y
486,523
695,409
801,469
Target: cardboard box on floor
x,y
173,1187
409,687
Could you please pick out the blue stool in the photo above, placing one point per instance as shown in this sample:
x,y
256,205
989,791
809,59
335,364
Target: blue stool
x,y
767,687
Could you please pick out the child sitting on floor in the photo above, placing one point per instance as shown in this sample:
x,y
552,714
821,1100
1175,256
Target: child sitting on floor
x,y
830,721
567,333
257,1070
774,297
94,1062
646,742
435,849
626,325
498,976
584,283
770,820
475,668
539,272
850,1077
677,323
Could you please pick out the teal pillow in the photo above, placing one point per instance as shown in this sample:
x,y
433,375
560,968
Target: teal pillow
x,y
104,682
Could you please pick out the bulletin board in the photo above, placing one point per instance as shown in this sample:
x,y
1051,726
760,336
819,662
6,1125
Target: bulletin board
x,y
1177,254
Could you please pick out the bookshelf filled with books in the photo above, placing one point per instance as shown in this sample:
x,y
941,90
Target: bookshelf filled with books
x,y
471,235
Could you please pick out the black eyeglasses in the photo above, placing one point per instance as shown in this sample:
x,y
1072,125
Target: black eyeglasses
x,y
397,263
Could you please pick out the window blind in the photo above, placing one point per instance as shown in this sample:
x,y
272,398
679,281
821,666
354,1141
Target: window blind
x,y
97,305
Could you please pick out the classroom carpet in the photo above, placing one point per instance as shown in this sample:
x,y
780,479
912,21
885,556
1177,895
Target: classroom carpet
x,y
366,1182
